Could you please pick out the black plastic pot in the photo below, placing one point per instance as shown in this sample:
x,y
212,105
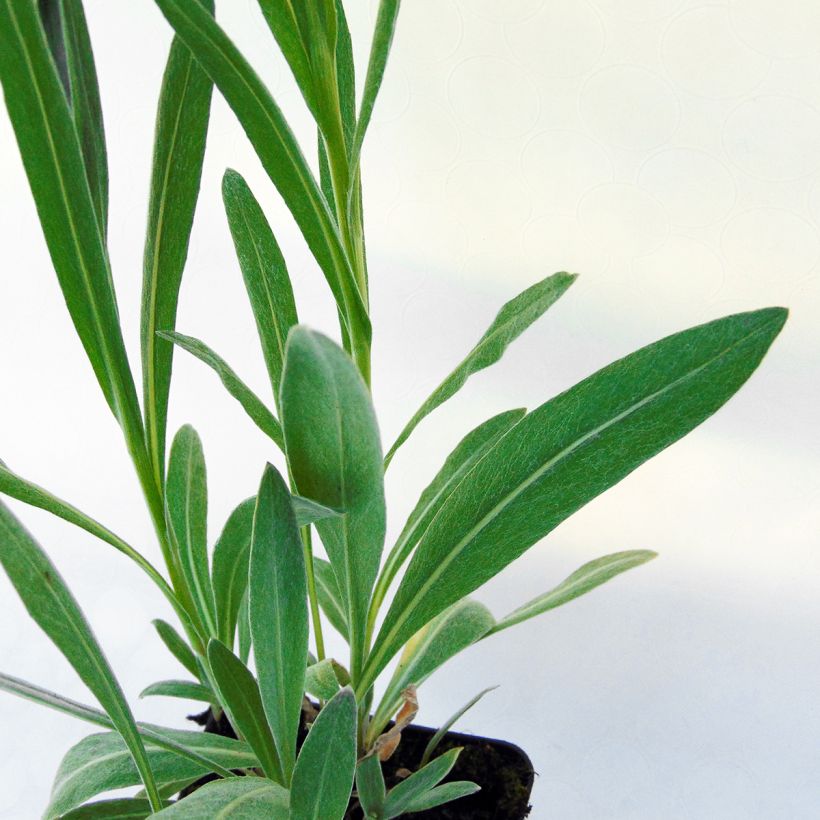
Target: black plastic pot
x,y
502,769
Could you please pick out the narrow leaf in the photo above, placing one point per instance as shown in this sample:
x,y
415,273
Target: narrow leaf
x,y
583,580
121,808
401,797
179,150
251,403
330,599
264,271
445,793
370,787
187,690
445,727
512,320
278,613
67,34
186,503
177,646
57,613
333,447
323,778
239,694
238,798
567,452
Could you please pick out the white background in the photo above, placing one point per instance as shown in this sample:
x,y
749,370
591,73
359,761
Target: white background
x,y
667,150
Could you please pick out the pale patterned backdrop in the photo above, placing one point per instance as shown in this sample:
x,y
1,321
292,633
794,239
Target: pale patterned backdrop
x,y
667,150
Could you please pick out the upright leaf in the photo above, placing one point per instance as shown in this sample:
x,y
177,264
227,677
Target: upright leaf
x,y
55,611
237,798
445,727
565,453
401,797
330,599
187,512
179,151
239,694
323,778
583,580
278,613
264,271
177,646
67,34
370,787
333,447
512,320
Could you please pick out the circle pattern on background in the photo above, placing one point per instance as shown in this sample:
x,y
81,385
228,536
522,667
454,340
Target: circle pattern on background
x,y
696,188
440,41
629,106
640,11
785,29
704,56
764,151
509,11
565,39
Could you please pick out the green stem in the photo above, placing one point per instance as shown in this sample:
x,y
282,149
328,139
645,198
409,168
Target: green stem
x,y
312,597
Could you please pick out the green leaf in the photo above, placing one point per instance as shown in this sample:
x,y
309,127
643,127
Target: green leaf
x,y
583,580
445,793
176,646
243,629
100,763
323,778
379,51
345,75
434,741
467,452
333,447
452,631
330,599
121,808
56,612
239,694
264,271
186,502
179,150
401,797
187,690
370,787
251,403
309,512
278,613
276,147
321,680
67,35
512,320
238,798
50,148
567,452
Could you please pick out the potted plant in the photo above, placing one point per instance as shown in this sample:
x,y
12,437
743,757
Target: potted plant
x,y
295,733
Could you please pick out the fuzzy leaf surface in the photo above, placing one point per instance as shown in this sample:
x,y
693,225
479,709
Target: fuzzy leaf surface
x,y
401,797
330,599
236,798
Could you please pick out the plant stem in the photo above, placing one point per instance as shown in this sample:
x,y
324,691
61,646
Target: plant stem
x,y
312,597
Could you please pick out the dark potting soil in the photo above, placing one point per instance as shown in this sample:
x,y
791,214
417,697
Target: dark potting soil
x,y
502,769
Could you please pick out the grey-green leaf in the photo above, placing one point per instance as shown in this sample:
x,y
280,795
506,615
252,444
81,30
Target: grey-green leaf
x,y
445,727
184,689
251,403
445,793
565,453
56,612
179,150
401,797
237,798
279,613
512,320
264,271
333,447
186,501
583,580
239,694
67,34
330,599
176,645
120,808
323,778
370,787
321,680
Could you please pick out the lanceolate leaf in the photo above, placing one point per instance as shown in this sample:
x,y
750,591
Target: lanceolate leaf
x,y
121,808
179,150
400,797
67,34
264,271
251,403
239,694
433,645
333,447
445,727
330,599
276,146
176,646
53,607
512,320
278,613
370,787
237,798
51,154
323,778
567,452
187,511
445,793
100,763
187,690
581,581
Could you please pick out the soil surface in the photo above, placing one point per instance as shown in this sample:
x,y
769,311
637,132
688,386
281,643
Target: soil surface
x,y
502,769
